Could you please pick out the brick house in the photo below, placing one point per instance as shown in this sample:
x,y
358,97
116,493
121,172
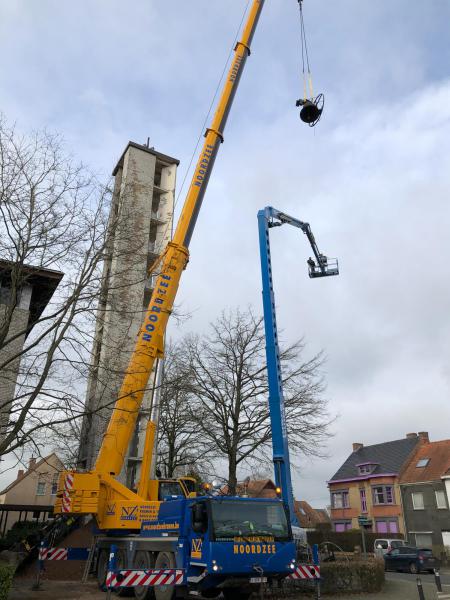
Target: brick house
x,y
309,517
425,497
32,494
368,484
254,488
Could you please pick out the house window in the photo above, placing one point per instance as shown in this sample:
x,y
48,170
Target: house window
x,y
54,484
383,494
417,500
40,491
386,525
424,540
423,462
362,497
339,499
440,499
364,469
340,526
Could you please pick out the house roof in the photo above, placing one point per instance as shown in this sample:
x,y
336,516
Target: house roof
x,y
256,488
389,458
438,455
28,472
308,516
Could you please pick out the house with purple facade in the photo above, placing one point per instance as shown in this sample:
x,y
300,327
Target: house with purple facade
x,y
367,484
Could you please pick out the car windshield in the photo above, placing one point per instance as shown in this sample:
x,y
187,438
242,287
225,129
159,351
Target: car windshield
x,y
249,519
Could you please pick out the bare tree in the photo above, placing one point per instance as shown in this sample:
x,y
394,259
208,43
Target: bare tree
x,y
181,450
53,215
229,390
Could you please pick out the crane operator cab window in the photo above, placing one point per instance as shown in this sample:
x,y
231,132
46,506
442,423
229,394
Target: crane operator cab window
x,y
169,489
236,519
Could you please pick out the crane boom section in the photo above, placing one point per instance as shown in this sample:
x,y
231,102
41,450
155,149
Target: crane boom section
x,y
149,344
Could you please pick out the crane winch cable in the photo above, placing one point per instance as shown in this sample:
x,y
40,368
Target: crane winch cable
x,y
312,107
152,268
307,79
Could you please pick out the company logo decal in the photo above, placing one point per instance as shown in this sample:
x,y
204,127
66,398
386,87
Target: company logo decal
x,y
254,549
110,510
196,550
129,513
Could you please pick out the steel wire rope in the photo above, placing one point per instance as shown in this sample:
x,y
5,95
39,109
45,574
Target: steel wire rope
x,y
194,152
306,78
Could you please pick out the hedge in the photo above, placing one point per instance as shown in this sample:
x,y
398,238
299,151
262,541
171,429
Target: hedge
x,y
6,577
28,531
347,540
356,576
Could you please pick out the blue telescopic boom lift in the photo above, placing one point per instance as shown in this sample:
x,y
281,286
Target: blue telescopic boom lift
x,y
322,266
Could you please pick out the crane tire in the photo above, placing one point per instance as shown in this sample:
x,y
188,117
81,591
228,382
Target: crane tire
x,y
165,560
144,560
121,563
102,569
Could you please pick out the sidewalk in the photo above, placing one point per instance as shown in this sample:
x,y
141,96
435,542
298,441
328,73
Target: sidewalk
x,y
71,590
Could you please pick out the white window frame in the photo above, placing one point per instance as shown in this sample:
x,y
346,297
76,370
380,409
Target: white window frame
x,y
40,493
342,494
441,493
413,495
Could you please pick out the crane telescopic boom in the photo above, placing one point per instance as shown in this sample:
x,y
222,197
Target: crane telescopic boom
x,y
149,344
82,492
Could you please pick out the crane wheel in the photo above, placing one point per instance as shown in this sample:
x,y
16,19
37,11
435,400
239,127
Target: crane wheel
x,y
165,560
121,563
102,569
144,560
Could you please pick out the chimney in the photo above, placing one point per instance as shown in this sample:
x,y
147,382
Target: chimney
x,y
32,463
424,437
357,446
411,435
20,472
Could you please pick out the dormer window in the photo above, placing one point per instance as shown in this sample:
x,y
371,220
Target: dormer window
x,y
366,468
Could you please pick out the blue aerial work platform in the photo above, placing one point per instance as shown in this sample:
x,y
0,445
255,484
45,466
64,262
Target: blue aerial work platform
x,y
322,266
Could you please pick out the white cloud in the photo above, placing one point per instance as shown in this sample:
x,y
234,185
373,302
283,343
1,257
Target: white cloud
x,y
372,178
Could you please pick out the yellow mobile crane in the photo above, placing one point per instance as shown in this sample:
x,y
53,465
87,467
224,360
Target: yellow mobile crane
x,y
98,492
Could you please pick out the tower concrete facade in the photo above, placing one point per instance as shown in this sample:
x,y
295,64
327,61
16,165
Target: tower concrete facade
x,y
140,226
17,318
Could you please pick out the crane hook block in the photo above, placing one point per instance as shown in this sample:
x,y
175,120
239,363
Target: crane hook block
x,y
311,110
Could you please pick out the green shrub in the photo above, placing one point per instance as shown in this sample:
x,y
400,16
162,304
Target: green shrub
x,y
354,576
28,531
6,577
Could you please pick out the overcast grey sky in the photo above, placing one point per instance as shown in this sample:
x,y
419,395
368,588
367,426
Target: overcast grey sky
x,y
372,178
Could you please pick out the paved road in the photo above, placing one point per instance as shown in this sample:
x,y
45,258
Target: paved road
x,y
425,577
399,586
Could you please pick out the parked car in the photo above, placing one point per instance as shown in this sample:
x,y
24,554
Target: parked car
x,y
383,545
410,558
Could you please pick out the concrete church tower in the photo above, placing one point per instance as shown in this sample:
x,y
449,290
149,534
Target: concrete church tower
x,y
141,221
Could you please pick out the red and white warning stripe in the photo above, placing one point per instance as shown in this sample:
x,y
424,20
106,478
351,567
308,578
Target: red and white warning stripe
x,y
53,554
66,500
134,577
306,572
